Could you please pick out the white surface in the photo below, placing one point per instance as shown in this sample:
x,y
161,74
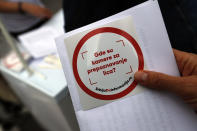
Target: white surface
x,y
40,42
43,80
148,111
51,75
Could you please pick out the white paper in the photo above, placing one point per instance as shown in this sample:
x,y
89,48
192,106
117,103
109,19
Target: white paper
x,y
40,42
106,62
148,111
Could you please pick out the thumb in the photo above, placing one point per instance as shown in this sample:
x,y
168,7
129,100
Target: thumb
x,y
160,81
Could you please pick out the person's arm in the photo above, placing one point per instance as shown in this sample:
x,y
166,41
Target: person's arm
x,y
18,7
184,86
9,7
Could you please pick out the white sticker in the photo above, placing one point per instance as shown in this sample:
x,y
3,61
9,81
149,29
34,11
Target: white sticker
x,y
104,62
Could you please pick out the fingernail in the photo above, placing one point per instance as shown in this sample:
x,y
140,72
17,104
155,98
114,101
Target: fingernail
x,y
141,76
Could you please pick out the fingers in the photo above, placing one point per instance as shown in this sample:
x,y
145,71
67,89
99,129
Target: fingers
x,y
187,62
181,59
160,81
179,53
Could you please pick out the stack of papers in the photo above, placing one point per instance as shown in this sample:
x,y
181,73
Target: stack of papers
x,y
145,111
40,42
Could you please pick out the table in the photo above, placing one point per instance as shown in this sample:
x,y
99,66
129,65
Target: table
x,y
47,99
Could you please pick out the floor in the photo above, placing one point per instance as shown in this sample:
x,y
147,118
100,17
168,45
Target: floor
x,y
23,121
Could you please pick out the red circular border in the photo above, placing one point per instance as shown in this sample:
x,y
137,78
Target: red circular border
x,y
81,43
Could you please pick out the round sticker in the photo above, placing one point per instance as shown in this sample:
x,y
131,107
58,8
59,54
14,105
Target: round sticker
x,y
104,63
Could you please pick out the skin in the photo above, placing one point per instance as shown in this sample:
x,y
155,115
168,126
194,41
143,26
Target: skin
x,y
32,9
184,86
37,11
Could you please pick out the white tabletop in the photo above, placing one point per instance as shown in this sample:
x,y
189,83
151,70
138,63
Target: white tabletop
x,y
54,81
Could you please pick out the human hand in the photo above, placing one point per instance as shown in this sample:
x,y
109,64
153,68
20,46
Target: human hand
x,y
184,86
36,10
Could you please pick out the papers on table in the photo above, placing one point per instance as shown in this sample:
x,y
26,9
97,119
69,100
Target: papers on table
x,y
12,61
147,111
50,62
39,42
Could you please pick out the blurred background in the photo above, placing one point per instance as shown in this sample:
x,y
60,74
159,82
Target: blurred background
x,y
14,116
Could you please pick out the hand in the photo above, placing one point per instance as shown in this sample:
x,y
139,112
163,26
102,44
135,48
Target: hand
x,y
184,86
36,10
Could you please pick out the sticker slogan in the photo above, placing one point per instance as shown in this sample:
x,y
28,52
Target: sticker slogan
x,y
105,59
104,62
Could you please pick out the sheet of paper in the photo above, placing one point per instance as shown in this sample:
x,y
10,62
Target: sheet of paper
x,y
147,111
105,62
39,42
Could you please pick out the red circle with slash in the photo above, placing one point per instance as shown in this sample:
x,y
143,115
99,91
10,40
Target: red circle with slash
x,y
82,42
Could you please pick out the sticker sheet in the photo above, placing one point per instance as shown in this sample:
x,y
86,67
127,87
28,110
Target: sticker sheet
x,y
104,60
